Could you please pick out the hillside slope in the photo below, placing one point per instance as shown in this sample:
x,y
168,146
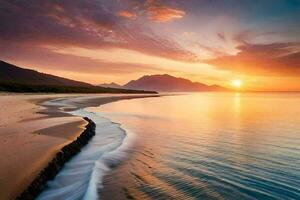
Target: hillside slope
x,y
12,73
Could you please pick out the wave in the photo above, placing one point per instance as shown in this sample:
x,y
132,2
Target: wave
x,y
82,176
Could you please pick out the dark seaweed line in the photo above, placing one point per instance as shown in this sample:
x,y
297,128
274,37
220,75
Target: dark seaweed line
x,y
57,163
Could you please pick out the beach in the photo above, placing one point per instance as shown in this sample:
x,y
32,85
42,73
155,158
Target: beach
x,y
31,133
190,146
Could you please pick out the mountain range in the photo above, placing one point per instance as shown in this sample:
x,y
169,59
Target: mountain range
x,y
110,85
166,83
17,79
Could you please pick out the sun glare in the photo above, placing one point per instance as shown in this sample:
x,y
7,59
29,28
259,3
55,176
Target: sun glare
x,y
237,83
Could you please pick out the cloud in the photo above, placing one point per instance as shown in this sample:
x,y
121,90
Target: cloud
x,y
45,58
245,36
158,13
189,34
221,36
212,51
154,10
128,14
275,59
94,24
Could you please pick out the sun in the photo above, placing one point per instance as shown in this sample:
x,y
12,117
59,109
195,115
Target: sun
x,y
237,83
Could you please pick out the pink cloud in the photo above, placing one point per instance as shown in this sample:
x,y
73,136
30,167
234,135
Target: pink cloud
x,y
87,24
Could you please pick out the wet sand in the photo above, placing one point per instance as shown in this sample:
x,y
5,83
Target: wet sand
x,y
31,134
27,142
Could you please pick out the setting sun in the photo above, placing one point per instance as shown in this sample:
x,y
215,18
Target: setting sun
x,y
236,83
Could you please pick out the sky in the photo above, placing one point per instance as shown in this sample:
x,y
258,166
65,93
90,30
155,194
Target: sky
x,y
209,41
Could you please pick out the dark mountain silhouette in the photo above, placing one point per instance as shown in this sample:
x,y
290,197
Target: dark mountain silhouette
x,y
16,79
12,73
110,85
167,83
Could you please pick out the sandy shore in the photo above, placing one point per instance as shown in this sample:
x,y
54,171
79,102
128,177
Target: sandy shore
x,y
31,134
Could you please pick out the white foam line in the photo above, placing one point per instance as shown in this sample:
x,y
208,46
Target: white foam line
x,y
82,176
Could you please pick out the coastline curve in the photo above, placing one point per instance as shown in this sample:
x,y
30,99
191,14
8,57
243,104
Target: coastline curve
x,y
58,162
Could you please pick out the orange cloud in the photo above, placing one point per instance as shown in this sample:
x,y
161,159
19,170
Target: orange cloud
x,y
159,13
128,14
275,59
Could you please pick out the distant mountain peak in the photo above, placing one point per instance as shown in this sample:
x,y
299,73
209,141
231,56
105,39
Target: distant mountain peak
x,y
110,85
168,83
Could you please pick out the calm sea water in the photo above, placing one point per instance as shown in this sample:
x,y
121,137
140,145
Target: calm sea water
x,y
193,146
208,146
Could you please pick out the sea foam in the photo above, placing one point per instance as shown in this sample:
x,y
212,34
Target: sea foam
x,y
81,177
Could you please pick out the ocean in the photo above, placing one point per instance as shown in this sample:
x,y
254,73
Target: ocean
x,y
188,146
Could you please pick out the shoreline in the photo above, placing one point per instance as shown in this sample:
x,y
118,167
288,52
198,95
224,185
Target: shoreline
x,y
57,137
29,138
58,162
